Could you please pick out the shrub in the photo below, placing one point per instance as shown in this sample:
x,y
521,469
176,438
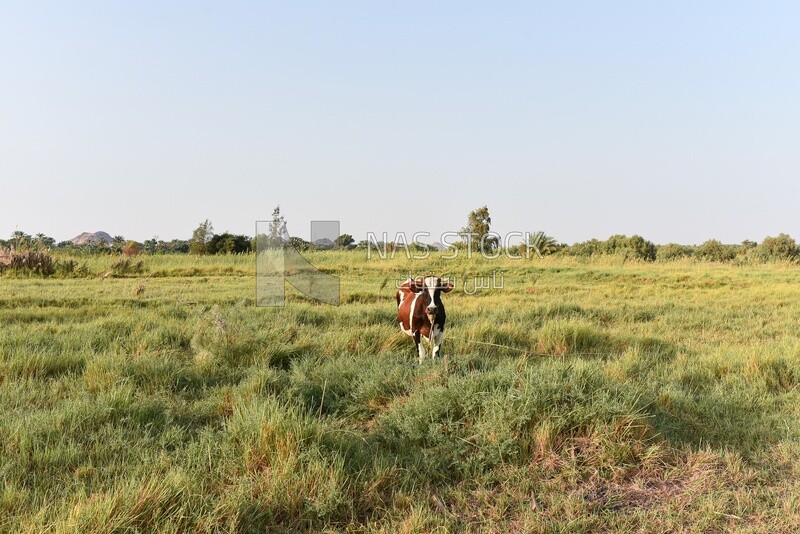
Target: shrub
x,y
634,246
126,266
131,248
30,261
585,248
674,251
344,241
713,250
301,245
227,243
780,247
71,268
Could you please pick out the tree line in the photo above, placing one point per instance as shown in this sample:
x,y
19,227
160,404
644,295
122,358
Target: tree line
x,y
476,235
20,240
782,247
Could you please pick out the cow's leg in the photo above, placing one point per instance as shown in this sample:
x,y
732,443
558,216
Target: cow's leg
x,y
437,336
419,345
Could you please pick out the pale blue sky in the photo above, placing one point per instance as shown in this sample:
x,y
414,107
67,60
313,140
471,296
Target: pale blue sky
x,y
679,121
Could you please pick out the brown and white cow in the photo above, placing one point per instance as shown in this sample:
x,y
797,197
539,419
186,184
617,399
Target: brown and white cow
x,y
420,311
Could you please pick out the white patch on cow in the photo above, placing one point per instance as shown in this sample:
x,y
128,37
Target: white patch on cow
x,y
411,312
422,351
431,283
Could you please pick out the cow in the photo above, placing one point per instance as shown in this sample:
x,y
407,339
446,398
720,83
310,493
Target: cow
x,y
420,311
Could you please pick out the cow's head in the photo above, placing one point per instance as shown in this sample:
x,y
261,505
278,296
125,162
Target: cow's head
x,y
432,287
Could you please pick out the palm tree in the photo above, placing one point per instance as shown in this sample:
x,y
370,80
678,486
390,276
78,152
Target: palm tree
x,y
542,244
43,242
21,239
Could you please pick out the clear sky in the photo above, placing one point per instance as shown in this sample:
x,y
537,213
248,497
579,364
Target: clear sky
x,y
679,121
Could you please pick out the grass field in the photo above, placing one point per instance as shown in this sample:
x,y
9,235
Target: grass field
x,y
578,397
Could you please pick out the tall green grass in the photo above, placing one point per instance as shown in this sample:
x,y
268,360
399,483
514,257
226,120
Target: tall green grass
x,y
580,396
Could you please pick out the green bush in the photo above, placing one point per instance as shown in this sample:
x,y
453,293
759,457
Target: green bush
x,y
674,251
713,250
633,247
585,249
779,248
126,266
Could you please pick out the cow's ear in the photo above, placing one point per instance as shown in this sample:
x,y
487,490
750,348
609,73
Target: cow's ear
x,y
418,284
447,287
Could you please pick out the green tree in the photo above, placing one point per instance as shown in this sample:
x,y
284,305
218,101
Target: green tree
x,y
42,242
634,246
201,236
713,250
300,244
150,245
118,243
641,248
476,233
227,243
585,249
278,235
541,244
344,241
20,240
674,251
176,245
779,248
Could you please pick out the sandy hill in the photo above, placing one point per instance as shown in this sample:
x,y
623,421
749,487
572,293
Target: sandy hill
x,y
92,238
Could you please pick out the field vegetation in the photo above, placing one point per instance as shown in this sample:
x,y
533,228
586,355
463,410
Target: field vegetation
x,y
585,394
